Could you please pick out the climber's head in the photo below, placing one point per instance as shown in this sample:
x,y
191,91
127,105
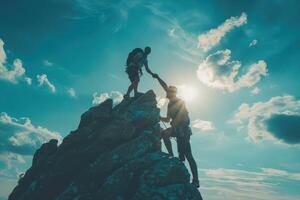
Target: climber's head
x,y
147,50
172,92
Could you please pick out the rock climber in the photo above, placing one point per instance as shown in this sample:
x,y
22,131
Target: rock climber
x,y
137,58
178,115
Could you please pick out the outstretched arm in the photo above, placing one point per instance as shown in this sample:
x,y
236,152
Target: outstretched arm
x,y
147,69
161,82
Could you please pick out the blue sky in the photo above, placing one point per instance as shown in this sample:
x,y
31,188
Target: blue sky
x,y
238,60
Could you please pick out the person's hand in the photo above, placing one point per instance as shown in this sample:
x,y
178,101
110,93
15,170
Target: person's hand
x,y
155,75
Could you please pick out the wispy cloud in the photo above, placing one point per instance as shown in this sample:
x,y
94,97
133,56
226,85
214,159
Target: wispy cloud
x,y
113,13
213,37
223,183
116,96
11,72
72,92
47,63
277,120
253,43
28,80
184,39
255,91
44,81
203,125
218,71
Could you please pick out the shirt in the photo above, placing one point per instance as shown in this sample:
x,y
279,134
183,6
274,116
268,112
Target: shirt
x,y
178,113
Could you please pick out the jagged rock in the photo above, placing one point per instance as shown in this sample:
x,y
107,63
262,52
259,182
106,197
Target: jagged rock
x,y
114,154
44,152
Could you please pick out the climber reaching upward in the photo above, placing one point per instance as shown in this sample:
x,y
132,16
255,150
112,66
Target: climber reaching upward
x,y
137,58
178,115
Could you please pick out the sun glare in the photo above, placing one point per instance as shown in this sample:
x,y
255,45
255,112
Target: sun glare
x,y
187,92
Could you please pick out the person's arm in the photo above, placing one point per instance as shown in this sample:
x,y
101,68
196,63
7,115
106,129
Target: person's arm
x,y
161,82
147,69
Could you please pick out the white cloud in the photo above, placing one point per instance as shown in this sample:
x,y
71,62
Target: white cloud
x,y
223,183
281,173
48,63
276,120
255,91
43,80
116,96
218,71
171,32
253,43
253,75
11,72
203,125
274,172
14,74
214,36
72,92
19,139
28,80
21,136
161,101
2,52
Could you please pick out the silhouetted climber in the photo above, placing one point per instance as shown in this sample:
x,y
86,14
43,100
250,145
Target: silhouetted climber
x,y
180,128
137,58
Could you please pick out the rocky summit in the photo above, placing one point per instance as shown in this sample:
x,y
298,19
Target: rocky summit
x,y
114,154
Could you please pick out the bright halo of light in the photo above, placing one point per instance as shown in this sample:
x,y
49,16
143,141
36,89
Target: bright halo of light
x,y
187,92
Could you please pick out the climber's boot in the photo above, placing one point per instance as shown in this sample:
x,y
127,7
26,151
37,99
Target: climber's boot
x,y
126,96
196,183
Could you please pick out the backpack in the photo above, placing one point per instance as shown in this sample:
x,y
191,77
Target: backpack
x,y
132,54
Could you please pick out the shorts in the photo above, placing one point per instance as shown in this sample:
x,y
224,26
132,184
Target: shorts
x,y
182,134
133,75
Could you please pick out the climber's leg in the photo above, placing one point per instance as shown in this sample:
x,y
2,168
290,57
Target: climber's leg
x,y
180,148
135,87
193,167
187,151
184,151
130,88
134,78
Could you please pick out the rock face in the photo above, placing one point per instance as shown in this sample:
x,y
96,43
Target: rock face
x,y
114,154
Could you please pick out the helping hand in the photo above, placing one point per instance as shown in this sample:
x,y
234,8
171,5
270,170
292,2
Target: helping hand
x,y
155,76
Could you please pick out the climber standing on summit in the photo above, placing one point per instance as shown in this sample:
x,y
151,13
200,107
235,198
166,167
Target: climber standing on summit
x,y
180,128
137,58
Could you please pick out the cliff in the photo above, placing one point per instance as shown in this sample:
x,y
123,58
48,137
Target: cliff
x,y
114,154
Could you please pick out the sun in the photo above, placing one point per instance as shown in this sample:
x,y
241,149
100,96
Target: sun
x,y
187,92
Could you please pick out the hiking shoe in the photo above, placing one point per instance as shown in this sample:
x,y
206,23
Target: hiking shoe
x,y
196,183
